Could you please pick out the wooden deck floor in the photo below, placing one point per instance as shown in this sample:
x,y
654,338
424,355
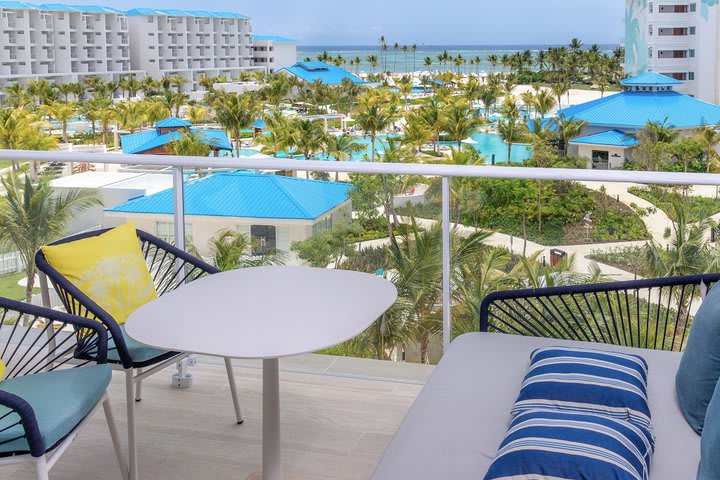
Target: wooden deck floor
x,y
338,415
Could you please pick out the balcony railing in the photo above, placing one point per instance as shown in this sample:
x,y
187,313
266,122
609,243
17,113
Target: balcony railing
x,y
445,172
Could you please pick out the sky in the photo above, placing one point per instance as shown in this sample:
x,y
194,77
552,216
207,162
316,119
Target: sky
x,y
424,22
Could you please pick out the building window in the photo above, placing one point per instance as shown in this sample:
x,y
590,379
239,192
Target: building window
x,y
691,53
693,7
166,231
600,159
692,30
691,76
650,30
263,238
651,7
650,52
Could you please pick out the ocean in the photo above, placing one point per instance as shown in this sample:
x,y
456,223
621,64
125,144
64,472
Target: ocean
x,y
408,62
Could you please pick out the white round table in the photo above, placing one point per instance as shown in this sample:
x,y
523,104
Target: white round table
x,y
264,313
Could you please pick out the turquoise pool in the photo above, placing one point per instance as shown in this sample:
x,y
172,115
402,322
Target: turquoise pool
x,y
487,144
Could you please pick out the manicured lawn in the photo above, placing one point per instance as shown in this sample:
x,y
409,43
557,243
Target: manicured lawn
x,y
9,287
664,198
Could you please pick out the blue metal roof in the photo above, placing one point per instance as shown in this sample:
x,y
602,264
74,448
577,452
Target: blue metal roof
x,y
184,13
650,79
328,74
634,109
611,138
143,141
171,122
18,5
273,38
241,194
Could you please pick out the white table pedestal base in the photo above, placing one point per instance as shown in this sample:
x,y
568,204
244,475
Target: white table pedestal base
x,y
271,457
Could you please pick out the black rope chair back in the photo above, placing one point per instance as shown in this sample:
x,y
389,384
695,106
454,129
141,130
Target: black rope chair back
x,y
169,266
34,340
654,314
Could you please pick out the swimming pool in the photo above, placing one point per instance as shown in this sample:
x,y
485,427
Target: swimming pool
x,y
487,144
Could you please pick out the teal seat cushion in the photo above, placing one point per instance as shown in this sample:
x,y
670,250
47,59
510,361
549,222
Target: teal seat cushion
x,y
700,365
710,441
60,399
138,352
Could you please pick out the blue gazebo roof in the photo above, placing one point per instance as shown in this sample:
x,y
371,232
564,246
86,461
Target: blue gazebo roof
x,y
328,74
173,122
650,79
140,142
241,194
611,138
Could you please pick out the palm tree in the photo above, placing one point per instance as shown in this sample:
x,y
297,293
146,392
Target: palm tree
x,y
130,115
569,128
21,130
510,131
709,139
341,147
33,215
191,144
62,112
414,49
428,62
42,91
458,122
488,95
197,114
432,113
230,250
396,48
16,96
373,61
559,89
544,102
374,118
308,137
235,113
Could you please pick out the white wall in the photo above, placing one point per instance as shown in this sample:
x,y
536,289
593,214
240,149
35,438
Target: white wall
x,y
616,155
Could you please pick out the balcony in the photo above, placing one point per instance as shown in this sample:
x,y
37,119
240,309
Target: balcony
x,y
339,415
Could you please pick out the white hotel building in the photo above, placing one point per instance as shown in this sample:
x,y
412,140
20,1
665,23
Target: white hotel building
x,y
66,43
678,38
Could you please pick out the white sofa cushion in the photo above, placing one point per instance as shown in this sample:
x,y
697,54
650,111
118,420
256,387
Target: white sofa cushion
x,y
455,426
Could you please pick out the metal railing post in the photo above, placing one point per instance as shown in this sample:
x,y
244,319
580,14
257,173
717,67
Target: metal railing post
x,y
183,378
447,313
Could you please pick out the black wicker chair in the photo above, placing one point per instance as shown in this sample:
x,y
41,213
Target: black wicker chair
x,y
56,379
653,313
170,268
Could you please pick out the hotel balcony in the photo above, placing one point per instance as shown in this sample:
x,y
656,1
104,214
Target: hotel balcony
x,y
339,414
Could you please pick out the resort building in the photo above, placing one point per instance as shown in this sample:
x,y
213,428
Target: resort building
x,y
273,210
190,43
67,43
649,97
273,52
62,43
156,141
678,38
310,72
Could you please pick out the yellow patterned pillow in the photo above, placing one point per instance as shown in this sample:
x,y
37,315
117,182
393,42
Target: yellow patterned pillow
x,y
109,268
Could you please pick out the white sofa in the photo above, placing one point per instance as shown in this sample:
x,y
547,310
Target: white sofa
x,y
460,418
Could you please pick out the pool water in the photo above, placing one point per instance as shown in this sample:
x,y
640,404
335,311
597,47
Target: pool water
x,y
487,144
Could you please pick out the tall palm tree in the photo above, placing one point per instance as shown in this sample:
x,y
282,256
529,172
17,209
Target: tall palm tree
x,y
544,102
191,144
458,122
130,115
569,128
414,49
709,139
62,112
432,113
559,89
236,113
510,131
16,96
197,114
308,137
33,215
341,147
372,119
22,130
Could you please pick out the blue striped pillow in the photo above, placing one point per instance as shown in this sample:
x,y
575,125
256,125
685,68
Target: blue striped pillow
x,y
572,446
592,381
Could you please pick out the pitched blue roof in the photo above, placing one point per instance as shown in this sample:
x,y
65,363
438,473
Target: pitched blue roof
x,y
634,109
241,194
328,74
173,122
650,79
143,141
273,38
18,5
611,138
184,13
